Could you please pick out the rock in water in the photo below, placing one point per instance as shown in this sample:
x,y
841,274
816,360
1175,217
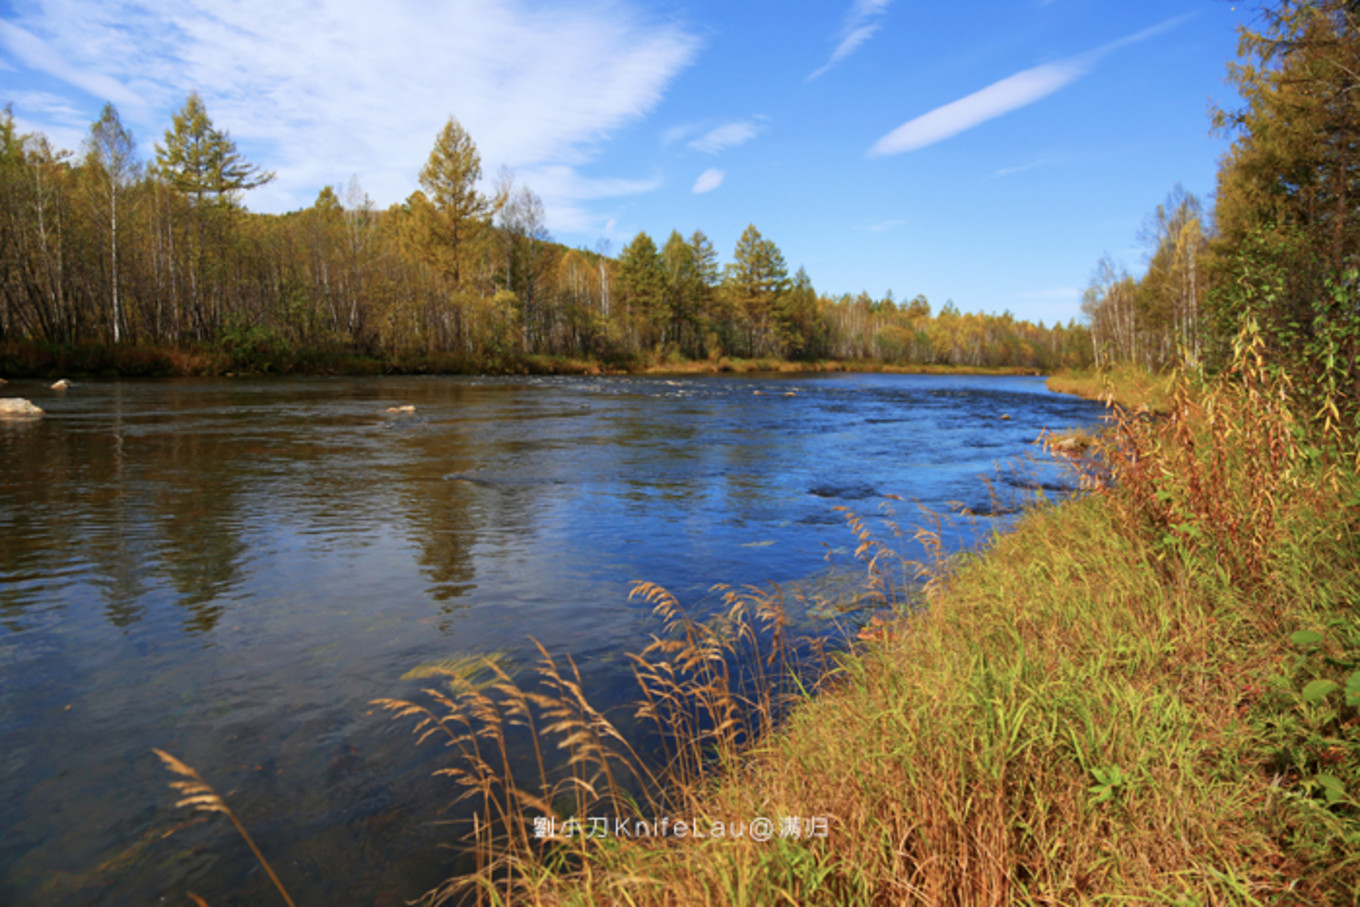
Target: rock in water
x,y
398,410
18,408
61,385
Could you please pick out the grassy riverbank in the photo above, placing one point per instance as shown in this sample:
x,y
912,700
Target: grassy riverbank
x,y
1146,694
1129,386
90,360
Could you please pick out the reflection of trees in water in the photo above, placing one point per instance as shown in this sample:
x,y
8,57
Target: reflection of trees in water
x,y
115,545
198,517
126,508
444,519
41,477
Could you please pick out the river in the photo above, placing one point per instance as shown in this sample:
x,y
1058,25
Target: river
x,y
231,569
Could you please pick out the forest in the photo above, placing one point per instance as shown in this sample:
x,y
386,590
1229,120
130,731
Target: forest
x,y
103,248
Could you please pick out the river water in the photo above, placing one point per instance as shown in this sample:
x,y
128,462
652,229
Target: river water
x,y
232,569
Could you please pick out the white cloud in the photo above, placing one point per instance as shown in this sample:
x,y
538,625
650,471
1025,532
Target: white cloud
x,y
37,54
679,133
728,135
569,189
1001,97
709,180
861,22
1010,93
320,89
883,225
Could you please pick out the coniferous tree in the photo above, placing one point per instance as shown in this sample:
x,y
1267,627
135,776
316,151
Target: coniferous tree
x,y
641,287
202,165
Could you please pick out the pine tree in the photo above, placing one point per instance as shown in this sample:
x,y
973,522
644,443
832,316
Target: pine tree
x,y
641,285
757,280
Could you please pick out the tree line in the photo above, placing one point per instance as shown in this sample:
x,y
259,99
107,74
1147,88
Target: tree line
x,y
1278,249
103,247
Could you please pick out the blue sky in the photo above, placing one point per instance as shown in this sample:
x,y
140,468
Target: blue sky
x,y
986,152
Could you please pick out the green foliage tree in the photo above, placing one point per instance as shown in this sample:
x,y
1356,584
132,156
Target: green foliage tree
x,y
756,282
684,292
641,288
1288,243
714,319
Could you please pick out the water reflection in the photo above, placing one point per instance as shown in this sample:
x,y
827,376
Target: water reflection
x,y
231,569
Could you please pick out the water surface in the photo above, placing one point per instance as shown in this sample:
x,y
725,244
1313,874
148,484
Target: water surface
x,y
232,569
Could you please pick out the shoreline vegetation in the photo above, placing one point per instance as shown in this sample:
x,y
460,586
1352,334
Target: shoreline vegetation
x,y
28,359
1149,692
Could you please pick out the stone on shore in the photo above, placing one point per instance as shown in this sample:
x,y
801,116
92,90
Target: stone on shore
x,y
18,408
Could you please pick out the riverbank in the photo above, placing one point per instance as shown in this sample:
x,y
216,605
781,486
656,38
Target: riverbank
x,y
52,361
1128,386
1148,693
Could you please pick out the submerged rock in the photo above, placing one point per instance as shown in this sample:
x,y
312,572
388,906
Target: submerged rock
x,y
61,385
18,408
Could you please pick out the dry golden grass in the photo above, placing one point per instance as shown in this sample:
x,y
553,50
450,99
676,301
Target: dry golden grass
x,y
1066,722
198,794
1127,386
1139,696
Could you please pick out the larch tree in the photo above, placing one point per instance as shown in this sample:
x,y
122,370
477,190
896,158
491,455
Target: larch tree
x,y
455,213
201,164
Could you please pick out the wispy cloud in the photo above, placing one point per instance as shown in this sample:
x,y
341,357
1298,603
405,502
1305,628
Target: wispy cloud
x,y
728,135
1010,93
570,192
679,133
37,54
1019,168
863,19
884,225
318,90
709,180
